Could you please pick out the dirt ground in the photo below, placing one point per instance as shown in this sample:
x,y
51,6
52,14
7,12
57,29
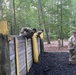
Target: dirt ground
x,y
53,46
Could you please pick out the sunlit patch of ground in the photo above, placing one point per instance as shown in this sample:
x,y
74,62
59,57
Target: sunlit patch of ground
x,y
53,47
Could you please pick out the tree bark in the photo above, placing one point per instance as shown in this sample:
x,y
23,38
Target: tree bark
x,y
61,24
39,15
1,9
44,22
14,17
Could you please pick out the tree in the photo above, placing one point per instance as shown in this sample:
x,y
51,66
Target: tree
x,y
14,17
44,22
40,14
1,10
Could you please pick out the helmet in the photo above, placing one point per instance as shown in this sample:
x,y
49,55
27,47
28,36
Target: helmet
x,y
73,31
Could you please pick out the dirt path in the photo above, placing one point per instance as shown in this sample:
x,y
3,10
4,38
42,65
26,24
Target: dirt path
x,y
53,47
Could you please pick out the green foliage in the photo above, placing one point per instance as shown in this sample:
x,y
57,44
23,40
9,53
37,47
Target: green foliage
x,y
27,15
54,37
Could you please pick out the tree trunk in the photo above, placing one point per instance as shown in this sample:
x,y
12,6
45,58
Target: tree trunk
x,y
11,20
39,15
44,22
61,23
1,9
14,17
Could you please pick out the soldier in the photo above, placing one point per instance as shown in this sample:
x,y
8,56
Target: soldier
x,y
26,32
34,30
59,43
72,48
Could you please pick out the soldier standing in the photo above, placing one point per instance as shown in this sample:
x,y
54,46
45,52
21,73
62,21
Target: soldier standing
x,y
59,43
72,48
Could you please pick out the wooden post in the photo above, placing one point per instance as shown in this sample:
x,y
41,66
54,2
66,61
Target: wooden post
x,y
16,56
4,49
27,65
41,42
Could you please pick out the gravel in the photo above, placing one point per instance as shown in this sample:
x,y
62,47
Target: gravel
x,y
53,63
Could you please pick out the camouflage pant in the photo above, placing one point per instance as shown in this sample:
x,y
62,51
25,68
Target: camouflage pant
x,y
72,55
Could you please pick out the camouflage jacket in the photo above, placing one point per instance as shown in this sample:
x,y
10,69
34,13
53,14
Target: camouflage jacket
x,y
72,42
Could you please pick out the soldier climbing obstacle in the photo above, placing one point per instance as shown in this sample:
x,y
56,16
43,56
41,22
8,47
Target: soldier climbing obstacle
x,y
27,32
72,48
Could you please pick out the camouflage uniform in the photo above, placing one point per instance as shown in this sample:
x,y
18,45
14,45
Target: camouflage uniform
x,y
59,43
24,31
72,49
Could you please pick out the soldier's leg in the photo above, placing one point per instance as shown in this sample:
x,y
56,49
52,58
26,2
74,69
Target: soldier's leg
x,y
74,55
71,53
71,56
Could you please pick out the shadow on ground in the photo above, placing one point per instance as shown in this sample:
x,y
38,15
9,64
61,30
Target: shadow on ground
x,y
53,64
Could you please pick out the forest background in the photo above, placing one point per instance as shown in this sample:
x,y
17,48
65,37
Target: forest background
x,y
56,17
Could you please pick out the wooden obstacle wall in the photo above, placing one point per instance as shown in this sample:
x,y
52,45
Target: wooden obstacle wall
x,y
20,59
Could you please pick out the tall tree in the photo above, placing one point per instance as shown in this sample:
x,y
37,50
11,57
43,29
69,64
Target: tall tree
x,y
1,10
11,17
48,15
14,17
39,15
61,31
42,12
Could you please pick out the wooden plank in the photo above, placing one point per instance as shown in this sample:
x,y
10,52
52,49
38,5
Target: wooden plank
x,y
12,56
21,55
30,57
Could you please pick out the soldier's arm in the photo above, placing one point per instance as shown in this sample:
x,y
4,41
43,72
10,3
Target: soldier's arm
x,y
70,44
